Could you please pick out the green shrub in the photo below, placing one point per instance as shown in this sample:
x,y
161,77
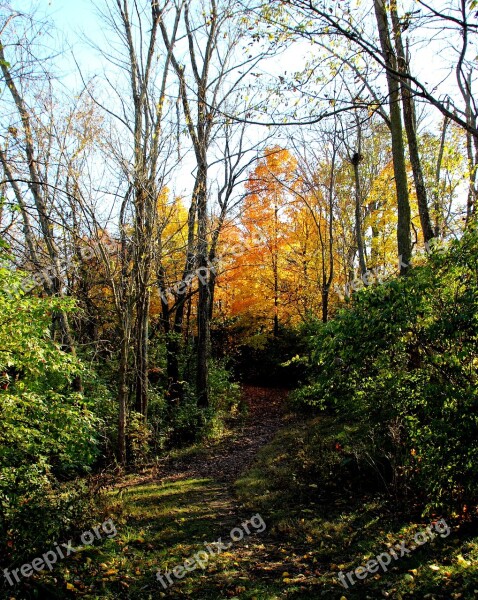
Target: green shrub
x,y
139,436
402,359
224,393
47,431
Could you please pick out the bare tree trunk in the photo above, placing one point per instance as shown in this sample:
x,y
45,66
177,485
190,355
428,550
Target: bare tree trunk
x,y
398,151
142,362
123,393
465,85
275,267
410,128
203,296
174,347
356,160
471,153
327,279
200,133
438,207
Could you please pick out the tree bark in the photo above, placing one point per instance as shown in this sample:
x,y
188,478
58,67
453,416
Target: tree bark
x,y
411,130
203,296
123,392
398,150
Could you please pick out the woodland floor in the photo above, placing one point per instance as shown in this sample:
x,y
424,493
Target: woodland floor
x,y
166,513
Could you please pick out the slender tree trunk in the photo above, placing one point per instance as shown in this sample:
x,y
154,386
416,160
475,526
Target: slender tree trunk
x,y
275,264
328,278
172,347
123,392
325,304
438,207
398,151
472,154
39,191
356,160
173,342
203,295
142,362
212,289
411,130
374,257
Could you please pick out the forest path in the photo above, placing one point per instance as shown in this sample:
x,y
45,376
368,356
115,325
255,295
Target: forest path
x,y
224,461
170,512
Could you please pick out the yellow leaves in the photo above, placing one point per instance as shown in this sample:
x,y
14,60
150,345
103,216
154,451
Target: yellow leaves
x,y
462,561
70,587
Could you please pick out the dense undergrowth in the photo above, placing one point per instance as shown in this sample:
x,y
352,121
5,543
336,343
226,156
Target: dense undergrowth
x,y
330,513
400,364
55,442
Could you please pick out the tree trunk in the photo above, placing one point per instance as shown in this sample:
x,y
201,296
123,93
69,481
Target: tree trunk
x,y
203,296
142,362
438,206
410,128
398,151
38,191
356,159
123,393
472,154
325,304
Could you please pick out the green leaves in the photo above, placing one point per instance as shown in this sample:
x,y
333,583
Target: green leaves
x,y
46,430
402,361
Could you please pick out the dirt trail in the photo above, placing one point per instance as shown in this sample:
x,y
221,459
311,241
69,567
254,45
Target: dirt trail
x,y
208,502
225,461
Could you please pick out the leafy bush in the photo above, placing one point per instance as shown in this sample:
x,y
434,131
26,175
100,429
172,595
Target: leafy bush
x,y
47,431
402,360
139,436
224,393
188,422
